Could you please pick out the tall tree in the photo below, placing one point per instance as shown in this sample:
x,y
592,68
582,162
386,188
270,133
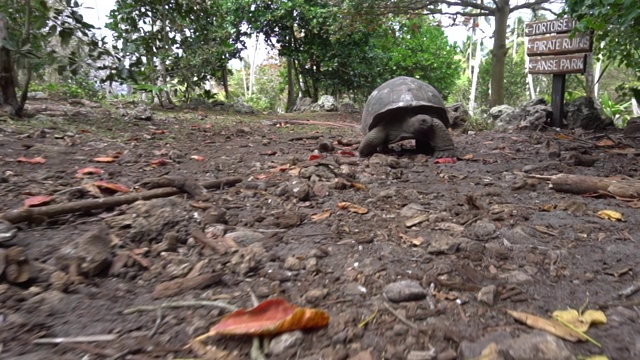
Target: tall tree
x,y
498,9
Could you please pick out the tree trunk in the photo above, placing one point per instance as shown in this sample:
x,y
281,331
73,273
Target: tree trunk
x,y
499,52
225,82
291,94
475,67
589,78
8,98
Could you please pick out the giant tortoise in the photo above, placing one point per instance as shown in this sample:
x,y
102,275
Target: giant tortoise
x,y
406,108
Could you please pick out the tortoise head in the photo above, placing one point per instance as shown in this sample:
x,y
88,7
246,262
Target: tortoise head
x,y
419,124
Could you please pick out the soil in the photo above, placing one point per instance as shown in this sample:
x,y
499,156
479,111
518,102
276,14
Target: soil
x,y
477,237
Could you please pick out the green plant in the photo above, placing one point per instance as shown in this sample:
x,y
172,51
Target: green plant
x,y
618,112
479,122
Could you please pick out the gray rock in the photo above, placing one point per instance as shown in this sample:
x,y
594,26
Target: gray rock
x,y
458,115
531,115
582,113
498,111
517,277
473,349
347,107
487,295
36,95
406,290
7,231
328,103
283,342
411,210
245,237
243,108
537,345
481,230
142,112
302,104
441,243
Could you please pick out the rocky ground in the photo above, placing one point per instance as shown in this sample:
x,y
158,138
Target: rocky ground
x,y
410,259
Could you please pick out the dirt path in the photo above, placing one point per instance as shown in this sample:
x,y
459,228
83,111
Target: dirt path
x,y
476,238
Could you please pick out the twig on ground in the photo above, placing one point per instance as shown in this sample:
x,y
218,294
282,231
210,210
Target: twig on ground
x,y
77,339
179,304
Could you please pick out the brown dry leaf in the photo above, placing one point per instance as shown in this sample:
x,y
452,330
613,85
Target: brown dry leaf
x,y
352,207
547,207
37,200
416,241
564,137
604,142
623,151
468,157
38,160
88,171
321,216
111,186
281,168
271,317
197,158
359,186
159,162
551,326
106,159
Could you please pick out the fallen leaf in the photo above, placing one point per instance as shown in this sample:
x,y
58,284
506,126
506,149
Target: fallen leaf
x,y
468,157
37,200
610,215
547,207
451,160
88,171
346,153
353,207
320,216
159,162
271,317
359,186
595,357
564,137
197,158
38,160
604,142
416,241
269,153
262,176
623,151
158,132
551,326
106,159
579,321
281,168
315,157
111,186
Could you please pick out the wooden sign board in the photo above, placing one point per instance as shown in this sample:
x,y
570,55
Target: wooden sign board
x,y
557,26
559,44
567,64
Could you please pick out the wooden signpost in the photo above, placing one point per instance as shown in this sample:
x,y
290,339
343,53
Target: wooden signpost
x,y
558,54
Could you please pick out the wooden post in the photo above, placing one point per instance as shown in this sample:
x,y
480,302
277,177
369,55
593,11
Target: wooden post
x,y
557,99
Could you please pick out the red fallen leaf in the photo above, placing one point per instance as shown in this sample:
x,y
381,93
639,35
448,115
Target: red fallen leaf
x,y
197,158
111,186
89,171
84,131
262,176
446,161
271,317
158,132
281,168
346,153
315,157
38,160
159,162
37,200
106,159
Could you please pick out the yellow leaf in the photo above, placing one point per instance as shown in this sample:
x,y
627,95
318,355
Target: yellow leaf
x,y
320,216
359,186
551,326
610,215
596,357
353,207
595,317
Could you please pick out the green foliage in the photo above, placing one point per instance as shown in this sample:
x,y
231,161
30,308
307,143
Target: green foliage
x,y
618,112
420,49
71,87
270,84
515,78
616,22
46,35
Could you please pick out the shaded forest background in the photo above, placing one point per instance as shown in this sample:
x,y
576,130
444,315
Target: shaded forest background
x,y
175,52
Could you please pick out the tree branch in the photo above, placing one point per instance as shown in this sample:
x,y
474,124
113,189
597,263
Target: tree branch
x,y
528,5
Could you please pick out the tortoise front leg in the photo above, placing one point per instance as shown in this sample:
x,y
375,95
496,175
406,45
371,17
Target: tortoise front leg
x,y
374,138
441,141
